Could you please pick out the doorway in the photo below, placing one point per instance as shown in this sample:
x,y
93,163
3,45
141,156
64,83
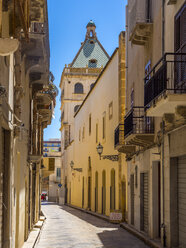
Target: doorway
x,y
132,199
123,199
96,191
83,189
89,192
6,188
112,190
103,192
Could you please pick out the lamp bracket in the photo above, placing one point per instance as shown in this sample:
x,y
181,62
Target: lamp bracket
x,y
78,169
111,157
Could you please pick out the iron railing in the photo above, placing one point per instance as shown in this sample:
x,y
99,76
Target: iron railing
x,y
38,28
169,74
136,122
119,135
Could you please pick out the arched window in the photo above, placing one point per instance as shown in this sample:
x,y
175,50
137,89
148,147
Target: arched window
x,y
92,63
78,88
91,86
91,33
76,108
96,191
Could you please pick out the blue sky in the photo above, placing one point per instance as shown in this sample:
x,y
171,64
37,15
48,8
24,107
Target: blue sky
x,y
67,29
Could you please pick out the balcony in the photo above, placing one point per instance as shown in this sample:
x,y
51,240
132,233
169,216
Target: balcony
x,y
139,22
46,112
172,2
165,85
138,129
119,143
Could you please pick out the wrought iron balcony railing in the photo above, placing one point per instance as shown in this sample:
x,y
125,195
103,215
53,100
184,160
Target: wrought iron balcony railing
x,y
119,135
136,122
168,75
37,28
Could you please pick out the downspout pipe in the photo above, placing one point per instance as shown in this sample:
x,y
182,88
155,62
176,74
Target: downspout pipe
x,y
163,27
163,131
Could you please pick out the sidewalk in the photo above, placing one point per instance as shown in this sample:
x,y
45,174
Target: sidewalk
x,y
34,234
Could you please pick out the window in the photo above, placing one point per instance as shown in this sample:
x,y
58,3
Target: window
x,y
89,124
132,98
147,70
104,125
62,116
58,172
89,163
76,108
83,134
110,110
91,33
79,134
91,86
180,34
92,63
78,88
96,132
136,176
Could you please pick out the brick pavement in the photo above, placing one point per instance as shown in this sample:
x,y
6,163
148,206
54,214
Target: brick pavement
x,y
70,228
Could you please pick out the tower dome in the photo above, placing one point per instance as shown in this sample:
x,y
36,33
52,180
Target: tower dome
x,y
91,27
91,24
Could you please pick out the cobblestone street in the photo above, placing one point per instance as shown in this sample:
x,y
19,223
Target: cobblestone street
x,y
70,228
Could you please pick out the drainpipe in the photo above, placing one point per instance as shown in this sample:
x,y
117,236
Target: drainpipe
x,y
163,130
163,27
162,183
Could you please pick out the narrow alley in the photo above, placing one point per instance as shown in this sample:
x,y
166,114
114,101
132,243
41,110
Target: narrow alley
x,y
66,227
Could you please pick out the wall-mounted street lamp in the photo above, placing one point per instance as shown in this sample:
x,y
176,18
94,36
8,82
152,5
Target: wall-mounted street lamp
x,y
76,169
100,151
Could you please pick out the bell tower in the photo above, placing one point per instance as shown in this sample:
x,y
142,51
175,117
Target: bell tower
x,y
91,27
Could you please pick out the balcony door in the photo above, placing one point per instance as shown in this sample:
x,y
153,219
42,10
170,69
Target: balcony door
x,y
180,47
5,187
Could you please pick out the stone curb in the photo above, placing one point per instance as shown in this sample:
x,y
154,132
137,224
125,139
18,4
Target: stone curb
x,y
33,237
141,236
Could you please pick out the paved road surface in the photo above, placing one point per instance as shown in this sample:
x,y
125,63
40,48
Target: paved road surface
x,y
70,228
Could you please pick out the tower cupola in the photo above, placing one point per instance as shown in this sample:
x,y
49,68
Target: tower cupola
x,y
91,27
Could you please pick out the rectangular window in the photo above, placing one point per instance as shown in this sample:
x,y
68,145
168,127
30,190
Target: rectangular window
x,y
132,98
58,172
180,27
96,132
89,124
79,134
110,110
147,70
83,134
104,125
